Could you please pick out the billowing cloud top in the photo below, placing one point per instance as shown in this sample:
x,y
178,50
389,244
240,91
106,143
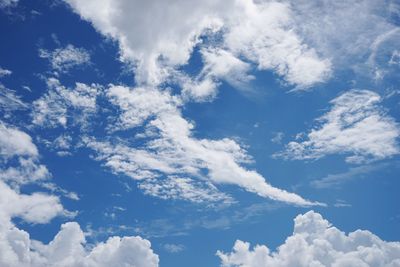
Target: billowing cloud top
x,y
315,242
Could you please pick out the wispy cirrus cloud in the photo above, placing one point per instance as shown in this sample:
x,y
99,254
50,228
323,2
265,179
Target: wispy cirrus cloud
x,y
356,125
337,179
171,149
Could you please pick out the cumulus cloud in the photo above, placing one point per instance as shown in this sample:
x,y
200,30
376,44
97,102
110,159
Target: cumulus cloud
x,y
62,106
14,142
68,247
171,149
315,242
66,58
356,126
261,32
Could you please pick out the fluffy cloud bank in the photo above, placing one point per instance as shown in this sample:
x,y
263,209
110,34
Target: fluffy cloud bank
x,y
68,248
259,32
315,242
356,125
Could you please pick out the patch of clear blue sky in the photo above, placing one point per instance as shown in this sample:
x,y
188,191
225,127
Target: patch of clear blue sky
x,y
373,197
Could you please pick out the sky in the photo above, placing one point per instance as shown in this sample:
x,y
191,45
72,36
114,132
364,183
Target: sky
x,y
240,133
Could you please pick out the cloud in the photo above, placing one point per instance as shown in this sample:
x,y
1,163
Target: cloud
x,y
34,208
62,106
174,248
263,34
184,188
315,242
8,3
337,179
68,247
14,142
328,26
4,72
356,125
260,32
66,58
170,149
10,101
277,138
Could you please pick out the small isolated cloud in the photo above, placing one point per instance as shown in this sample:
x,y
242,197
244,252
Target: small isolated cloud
x,y
62,106
66,58
315,242
277,138
356,126
4,72
174,248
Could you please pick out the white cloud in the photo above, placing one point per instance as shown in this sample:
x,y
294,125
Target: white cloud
x,y
62,106
67,248
10,101
329,25
140,104
172,149
8,3
262,32
332,180
219,64
66,58
277,139
174,187
356,125
4,72
14,142
174,248
34,208
315,242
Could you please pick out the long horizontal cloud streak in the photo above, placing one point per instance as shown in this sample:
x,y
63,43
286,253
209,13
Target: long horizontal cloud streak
x,y
171,149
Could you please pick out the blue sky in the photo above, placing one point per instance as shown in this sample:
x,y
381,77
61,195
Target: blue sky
x,y
199,133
